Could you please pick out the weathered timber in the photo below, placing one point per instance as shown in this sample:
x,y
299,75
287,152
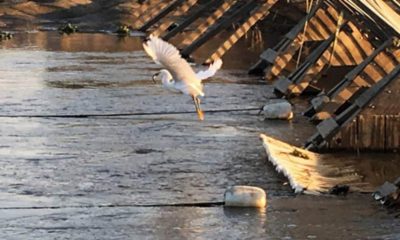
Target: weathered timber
x,y
318,102
171,7
369,132
371,24
189,19
209,21
373,130
269,56
351,49
221,25
285,85
254,16
181,10
318,25
147,11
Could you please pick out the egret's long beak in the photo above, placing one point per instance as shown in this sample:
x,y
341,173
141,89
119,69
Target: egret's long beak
x,y
154,77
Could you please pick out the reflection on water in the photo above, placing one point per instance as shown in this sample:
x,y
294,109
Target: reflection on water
x,y
80,42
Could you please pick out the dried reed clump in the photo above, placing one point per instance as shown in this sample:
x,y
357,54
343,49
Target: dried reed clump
x,y
255,37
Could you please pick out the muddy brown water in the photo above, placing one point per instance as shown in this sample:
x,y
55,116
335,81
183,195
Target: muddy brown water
x,y
56,172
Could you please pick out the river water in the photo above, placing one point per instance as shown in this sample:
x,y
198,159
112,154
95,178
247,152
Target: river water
x,y
56,173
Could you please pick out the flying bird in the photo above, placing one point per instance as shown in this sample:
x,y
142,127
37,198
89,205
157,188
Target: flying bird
x,y
178,75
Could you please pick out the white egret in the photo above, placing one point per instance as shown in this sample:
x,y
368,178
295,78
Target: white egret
x,y
178,75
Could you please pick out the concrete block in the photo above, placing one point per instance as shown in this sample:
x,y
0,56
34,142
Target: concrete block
x,y
279,110
282,85
245,196
318,101
326,127
269,55
384,191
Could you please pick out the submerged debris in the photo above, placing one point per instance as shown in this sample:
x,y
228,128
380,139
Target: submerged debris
x,y
145,151
5,36
68,29
172,26
123,30
396,42
339,190
389,194
297,153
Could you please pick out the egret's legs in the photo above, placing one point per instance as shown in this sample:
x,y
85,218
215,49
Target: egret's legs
x,y
200,113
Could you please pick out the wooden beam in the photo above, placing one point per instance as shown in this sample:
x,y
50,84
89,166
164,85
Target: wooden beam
x,y
189,19
257,14
319,101
221,25
295,77
147,11
209,21
329,128
160,15
181,10
269,56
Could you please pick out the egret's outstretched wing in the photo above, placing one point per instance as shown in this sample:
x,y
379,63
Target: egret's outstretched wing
x,y
160,51
167,55
212,69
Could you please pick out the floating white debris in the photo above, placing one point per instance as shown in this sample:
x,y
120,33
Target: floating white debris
x,y
245,196
310,172
279,110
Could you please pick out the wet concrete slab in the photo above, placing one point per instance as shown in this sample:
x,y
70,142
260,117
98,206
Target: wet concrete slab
x,y
303,217
56,173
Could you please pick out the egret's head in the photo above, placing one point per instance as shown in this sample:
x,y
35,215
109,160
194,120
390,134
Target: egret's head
x,y
164,76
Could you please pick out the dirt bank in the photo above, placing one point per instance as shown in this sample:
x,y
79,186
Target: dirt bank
x,y
88,14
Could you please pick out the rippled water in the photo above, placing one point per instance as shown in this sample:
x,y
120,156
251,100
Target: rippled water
x,y
152,159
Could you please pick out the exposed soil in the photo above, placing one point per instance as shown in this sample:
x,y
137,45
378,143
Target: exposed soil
x,y
88,14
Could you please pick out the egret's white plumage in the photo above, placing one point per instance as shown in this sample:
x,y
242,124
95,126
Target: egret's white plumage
x,y
178,74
